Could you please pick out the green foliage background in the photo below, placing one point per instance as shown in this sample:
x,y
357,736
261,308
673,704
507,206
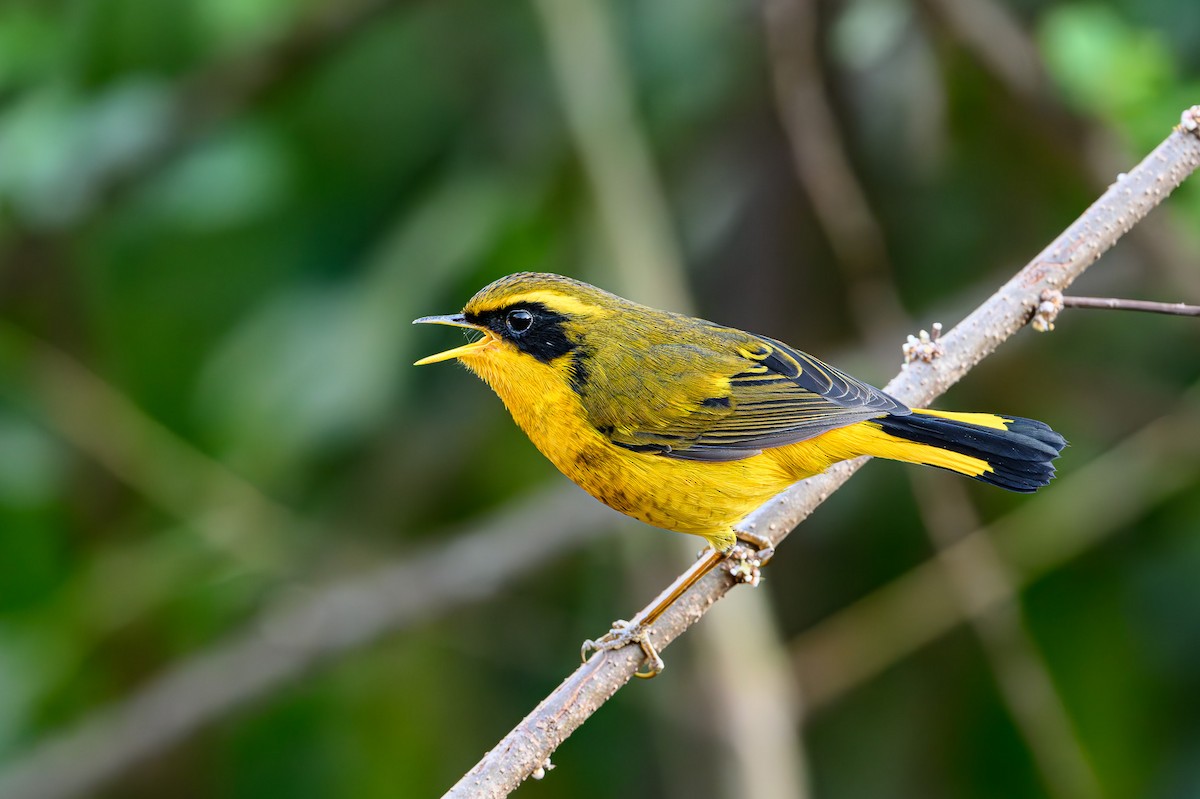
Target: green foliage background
x,y
218,217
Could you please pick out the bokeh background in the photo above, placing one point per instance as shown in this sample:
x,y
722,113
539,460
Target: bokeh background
x,y
246,550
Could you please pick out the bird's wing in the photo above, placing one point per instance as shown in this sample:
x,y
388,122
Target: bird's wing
x,y
758,394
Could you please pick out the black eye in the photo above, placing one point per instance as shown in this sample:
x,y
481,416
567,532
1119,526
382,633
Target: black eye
x,y
518,320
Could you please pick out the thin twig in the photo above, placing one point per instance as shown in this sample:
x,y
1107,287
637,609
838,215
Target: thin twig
x,y
529,745
1114,304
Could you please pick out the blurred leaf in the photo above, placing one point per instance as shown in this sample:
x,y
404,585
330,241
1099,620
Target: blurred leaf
x,y
59,146
232,179
31,41
1105,66
238,24
33,469
868,31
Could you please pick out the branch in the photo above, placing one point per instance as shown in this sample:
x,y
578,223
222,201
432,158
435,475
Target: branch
x,y
1170,308
1053,302
529,745
598,102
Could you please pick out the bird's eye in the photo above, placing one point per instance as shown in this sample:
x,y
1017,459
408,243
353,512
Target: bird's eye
x,y
518,320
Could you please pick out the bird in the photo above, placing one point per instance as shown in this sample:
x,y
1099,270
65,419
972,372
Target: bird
x,y
689,425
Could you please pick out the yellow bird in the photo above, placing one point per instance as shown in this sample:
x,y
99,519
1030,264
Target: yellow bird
x,y
689,425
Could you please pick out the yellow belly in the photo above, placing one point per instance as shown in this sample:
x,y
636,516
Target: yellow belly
x,y
701,498
695,497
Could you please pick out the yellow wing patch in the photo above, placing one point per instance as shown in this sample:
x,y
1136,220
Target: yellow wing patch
x,y
982,419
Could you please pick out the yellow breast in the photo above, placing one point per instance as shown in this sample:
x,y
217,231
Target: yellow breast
x,y
702,498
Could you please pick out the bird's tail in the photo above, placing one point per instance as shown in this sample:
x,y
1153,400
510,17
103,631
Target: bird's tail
x,y
1006,451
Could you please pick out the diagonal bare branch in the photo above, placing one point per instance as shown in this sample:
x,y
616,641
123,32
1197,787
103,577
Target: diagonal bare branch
x,y
529,745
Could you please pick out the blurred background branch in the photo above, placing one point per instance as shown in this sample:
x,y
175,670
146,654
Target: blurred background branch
x,y
231,515
990,31
302,629
975,574
823,169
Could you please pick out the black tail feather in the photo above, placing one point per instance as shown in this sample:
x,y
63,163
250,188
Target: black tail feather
x,y
1020,456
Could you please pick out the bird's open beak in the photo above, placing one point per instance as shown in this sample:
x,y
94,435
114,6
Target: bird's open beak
x,y
454,320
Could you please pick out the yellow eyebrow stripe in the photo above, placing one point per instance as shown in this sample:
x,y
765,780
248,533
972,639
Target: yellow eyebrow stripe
x,y
553,300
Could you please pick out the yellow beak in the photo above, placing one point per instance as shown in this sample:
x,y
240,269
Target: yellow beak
x,y
454,320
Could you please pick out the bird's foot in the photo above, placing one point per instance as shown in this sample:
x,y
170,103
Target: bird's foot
x,y
622,634
745,560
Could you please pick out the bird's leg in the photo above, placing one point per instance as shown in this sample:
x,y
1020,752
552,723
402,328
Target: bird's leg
x,y
682,583
636,630
743,561
621,635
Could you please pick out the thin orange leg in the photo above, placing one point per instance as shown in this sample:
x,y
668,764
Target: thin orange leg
x,y
636,631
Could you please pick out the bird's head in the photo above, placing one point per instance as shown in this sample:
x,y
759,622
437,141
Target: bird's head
x,y
533,330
